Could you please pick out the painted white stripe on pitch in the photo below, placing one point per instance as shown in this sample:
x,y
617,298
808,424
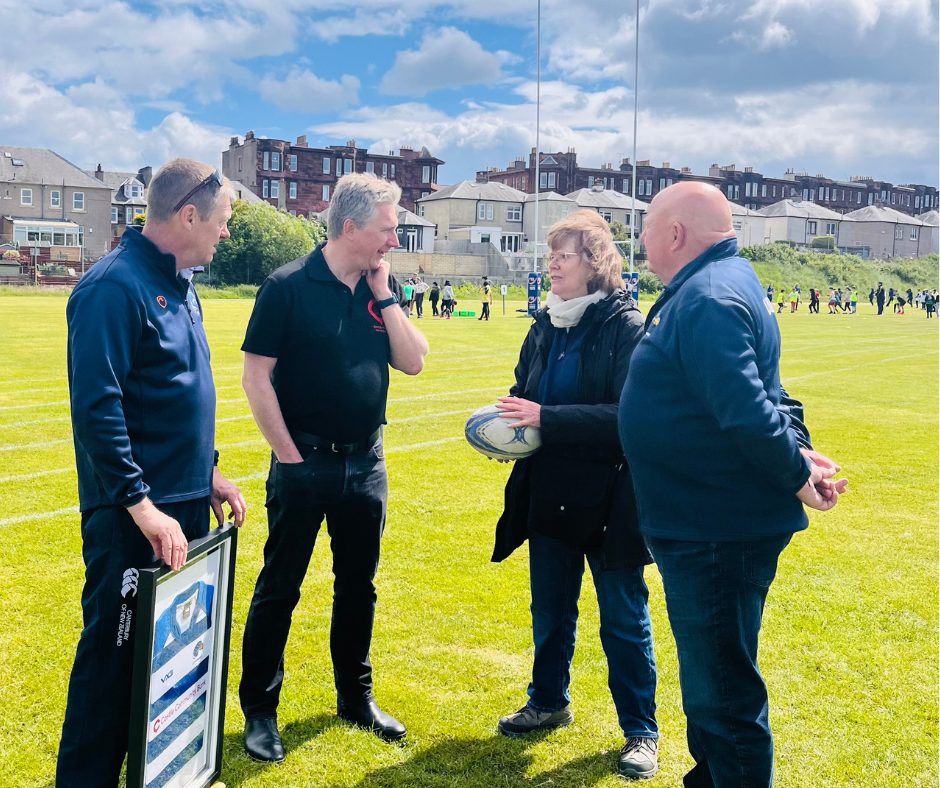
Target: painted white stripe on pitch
x,y
395,449
38,405
233,418
34,391
250,478
856,366
431,416
448,394
25,518
38,474
35,445
26,380
36,421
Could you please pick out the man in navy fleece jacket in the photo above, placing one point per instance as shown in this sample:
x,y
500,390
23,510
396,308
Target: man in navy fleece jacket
x,y
143,421
720,475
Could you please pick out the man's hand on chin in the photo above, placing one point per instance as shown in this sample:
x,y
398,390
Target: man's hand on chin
x,y
377,279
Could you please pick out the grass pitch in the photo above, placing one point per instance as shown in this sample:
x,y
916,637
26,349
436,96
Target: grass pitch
x,y
849,646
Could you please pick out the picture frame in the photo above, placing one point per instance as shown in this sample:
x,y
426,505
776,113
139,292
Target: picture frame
x,y
181,654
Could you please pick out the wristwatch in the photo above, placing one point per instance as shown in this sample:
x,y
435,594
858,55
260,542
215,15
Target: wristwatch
x,y
390,301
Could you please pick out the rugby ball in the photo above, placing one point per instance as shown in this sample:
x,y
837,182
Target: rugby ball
x,y
491,435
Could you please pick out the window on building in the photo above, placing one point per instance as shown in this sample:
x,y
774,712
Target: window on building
x,y
871,198
78,201
662,184
292,190
774,190
830,228
730,192
898,232
737,192
326,166
668,182
370,167
892,197
129,215
514,213
292,212
811,228
266,160
384,169
275,189
606,215
917,202
26,196
590,181
523,183
859,198
543,180
55,199
292,161
275,161
626,186
763,190
421,211
393,172
551,180
325,194
114,215
914,233
485,211
425,175
239,163
649,187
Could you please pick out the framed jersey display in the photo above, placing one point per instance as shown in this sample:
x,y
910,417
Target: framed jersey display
x,y
184,622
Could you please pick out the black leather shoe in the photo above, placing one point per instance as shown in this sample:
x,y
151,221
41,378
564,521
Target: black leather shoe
x,y
262,741
367,714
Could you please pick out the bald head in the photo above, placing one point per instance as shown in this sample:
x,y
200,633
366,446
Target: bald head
x,y
684,221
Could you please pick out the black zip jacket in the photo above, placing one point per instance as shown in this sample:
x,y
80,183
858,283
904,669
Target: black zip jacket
x,y
140,384
578,481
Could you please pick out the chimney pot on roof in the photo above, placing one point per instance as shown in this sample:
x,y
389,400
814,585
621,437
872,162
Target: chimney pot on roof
x,y
749,169
666,165
350,143
233,141
249,135
99,173
302,141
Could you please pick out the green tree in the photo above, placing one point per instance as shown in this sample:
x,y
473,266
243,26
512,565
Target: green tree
x,y
824,242
262,240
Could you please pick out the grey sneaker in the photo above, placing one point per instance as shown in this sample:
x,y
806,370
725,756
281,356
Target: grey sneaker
x,y
638,758
528,720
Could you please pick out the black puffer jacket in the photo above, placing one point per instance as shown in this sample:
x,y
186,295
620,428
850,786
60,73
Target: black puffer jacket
x,y
578,482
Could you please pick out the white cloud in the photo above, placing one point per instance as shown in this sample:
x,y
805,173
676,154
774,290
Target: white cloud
x,y
775,36
446,58
304,91
88,124
362,23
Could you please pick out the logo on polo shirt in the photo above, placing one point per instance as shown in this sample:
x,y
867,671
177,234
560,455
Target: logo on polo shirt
x,y
161,301
655,321
381,323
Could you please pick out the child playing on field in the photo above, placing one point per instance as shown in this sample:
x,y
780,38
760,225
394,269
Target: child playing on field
x,y
780,302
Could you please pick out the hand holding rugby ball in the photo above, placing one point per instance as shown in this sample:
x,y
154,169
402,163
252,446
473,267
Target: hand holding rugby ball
x,y
491,434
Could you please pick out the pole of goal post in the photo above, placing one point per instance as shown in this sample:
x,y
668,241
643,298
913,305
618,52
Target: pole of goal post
x,y
636,76
502,290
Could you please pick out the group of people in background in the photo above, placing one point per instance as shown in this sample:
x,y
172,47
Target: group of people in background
x,y
846,299
415,290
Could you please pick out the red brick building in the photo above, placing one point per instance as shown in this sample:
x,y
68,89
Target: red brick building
x,y
560,172
299,179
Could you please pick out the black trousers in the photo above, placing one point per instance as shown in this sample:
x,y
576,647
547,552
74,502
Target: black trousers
x,y
485,314
351,491
97,714
434,311
419,304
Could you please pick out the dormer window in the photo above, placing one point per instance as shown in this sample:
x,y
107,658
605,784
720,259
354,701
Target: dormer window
x,y
16,162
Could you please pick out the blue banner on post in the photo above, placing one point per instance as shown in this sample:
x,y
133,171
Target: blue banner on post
x,y
632,283
535,292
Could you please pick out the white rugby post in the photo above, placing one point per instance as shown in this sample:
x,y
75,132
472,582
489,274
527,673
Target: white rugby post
x,y
538,98
636,76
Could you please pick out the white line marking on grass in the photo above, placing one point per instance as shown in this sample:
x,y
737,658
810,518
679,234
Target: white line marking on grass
x,y
37,421
241,443
393,422
25,518
395,449
36,475
25,380
856,366
21,446
448,394
40,405
250,478
233,418
33,391
231,401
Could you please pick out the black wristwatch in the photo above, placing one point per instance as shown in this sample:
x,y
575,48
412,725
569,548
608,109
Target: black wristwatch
x,y
391,300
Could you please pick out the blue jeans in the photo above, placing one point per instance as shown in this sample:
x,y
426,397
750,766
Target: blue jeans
x,y
555,572
715,594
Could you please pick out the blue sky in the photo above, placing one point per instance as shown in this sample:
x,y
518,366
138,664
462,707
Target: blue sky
x,y
841,87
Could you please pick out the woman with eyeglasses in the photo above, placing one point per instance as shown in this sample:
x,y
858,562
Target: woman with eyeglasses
x,y
573,499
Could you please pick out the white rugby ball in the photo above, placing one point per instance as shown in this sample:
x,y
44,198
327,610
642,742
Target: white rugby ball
x,y
491,435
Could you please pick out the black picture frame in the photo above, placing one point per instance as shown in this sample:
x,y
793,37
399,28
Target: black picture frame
x,y
155,583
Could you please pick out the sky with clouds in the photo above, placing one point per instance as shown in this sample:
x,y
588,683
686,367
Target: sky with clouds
x,y
841,87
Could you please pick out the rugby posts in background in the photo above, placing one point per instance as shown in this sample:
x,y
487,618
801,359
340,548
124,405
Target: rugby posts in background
x,y
184,622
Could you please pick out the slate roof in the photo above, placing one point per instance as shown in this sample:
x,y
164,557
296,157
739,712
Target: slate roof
x,y
245,194
115,181
801,210
406,217
875,213
931,218
549,197
607,198
471,190
41,165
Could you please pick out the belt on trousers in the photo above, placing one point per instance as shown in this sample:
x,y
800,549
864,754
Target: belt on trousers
x,y
340,448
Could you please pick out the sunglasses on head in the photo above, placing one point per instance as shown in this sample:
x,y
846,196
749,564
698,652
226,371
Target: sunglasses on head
x,y
214,177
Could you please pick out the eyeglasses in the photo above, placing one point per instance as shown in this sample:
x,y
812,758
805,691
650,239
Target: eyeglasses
x,y
562,257
215,177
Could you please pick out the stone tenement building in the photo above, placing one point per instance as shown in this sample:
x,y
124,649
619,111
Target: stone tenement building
x,y
560,172
299,179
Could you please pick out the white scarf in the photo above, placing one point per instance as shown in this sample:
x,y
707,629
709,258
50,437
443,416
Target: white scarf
x,y
567,314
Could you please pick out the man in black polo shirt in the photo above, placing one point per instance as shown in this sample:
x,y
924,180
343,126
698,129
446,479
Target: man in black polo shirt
x,y
317,352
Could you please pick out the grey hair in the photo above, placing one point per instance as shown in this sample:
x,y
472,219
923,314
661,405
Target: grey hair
x,y
171,183
356,198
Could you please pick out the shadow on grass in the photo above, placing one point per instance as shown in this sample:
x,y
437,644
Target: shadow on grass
x,y
294,735
492,761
